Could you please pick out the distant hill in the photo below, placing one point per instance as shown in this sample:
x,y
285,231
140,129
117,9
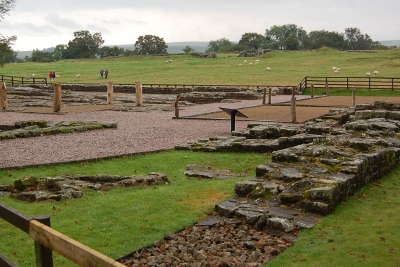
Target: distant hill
x,y
391,43
173,48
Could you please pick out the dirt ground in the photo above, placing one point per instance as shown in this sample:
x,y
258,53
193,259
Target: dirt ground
x,y
305,109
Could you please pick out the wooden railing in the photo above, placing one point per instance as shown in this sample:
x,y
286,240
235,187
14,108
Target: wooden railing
x,y
374,83
48,240
15,80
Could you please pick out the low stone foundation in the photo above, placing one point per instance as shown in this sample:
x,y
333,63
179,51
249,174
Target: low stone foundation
x,y
314,167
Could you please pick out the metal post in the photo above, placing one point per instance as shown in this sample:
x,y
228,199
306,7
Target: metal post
x,y
233,114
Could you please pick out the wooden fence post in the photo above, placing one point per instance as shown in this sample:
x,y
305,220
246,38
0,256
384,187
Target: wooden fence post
x,y
354,97
264,95
269,96
139,99
3,96
327,88
44,255
312,90
110,93
57,97
293,107
177,106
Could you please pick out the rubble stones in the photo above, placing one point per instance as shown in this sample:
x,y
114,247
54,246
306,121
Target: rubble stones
x,y
33,189
195,170
226,243
32,128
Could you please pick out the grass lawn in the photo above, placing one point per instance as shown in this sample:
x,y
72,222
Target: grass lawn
x,y
119,221
364,231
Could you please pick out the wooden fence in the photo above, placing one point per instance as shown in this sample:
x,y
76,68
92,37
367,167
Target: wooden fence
x,y
14,80
48,240
374,83
382,83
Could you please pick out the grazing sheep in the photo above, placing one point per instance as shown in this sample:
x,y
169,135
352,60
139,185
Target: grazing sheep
x,y
250,63
268,68
368,74
245,61
33,75
78,76
376,73
57,76
257,61
336,70
333,68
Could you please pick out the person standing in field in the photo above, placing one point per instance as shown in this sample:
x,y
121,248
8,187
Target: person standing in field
x,y
101,73
53,75
50,75
106,73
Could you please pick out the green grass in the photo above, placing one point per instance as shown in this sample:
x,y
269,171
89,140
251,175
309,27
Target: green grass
x,y
288,68
363,231
119,221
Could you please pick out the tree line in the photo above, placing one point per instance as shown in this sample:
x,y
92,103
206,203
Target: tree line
x,y
293,37
284,37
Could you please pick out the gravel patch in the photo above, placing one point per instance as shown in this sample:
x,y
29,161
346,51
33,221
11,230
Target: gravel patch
x,y
136,132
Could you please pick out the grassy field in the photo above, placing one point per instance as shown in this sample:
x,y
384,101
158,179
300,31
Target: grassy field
x,y
288,68
119,221
364,231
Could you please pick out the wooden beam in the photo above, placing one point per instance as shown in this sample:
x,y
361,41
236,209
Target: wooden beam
x,y
3,96
57,97
69,248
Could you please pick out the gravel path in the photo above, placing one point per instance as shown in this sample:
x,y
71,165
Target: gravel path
x,y
136,132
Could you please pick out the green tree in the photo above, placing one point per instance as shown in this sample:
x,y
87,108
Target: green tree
x,y
59,52
220,45
188,49
251,40
84,45
107,51
150,45
41,56
6,51
284,37
318,39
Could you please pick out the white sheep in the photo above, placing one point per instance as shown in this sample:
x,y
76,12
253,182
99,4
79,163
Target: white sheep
x,y
33,75
245,61
57,76
376,73
78,76
257,61
268,68
368,74
333,68
336,71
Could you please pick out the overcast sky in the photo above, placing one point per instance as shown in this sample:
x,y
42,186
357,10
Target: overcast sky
x,y
41,24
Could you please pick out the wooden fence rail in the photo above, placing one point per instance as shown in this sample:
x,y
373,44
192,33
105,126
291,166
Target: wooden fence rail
x,y
375,83
14,80
48,240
